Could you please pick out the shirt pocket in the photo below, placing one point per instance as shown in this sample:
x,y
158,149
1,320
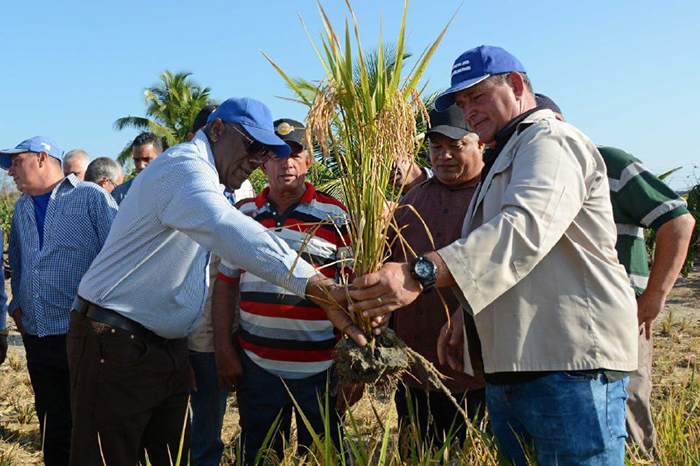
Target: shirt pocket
x,y
74,229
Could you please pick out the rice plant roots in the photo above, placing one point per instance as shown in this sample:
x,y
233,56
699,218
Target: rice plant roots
x,y
383,362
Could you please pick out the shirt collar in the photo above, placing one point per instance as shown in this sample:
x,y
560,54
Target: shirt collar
x,y
469,184
308,196
69,182
505,133
202,142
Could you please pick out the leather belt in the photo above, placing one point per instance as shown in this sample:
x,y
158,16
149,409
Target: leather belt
x,y
112,318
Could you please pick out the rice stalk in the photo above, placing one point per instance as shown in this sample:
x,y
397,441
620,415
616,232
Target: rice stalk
x,y
365,120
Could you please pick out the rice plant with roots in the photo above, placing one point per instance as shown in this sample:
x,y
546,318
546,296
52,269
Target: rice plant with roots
x,y
365,120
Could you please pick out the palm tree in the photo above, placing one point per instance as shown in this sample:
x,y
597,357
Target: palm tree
x,y
171,106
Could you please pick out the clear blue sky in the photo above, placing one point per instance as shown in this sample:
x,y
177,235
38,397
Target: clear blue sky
x,y
625,72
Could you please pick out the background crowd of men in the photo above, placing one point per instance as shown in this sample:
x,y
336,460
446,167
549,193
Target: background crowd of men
x,y
533,235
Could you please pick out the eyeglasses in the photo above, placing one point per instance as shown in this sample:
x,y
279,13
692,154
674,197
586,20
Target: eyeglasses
x,y
255,148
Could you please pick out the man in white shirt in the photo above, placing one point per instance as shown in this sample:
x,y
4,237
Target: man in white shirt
x,y
208,399
145,291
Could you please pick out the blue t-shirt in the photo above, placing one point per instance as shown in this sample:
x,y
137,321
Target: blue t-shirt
x,y
41,202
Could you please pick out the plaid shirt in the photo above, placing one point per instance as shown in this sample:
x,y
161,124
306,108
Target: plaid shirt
x,y
45,281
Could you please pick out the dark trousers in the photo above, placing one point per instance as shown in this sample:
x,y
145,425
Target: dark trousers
x,y
47,363
208,409
129,396
445,417
263,396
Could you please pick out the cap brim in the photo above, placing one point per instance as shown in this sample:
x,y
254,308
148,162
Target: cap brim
x,y
6,157
277,145
451,132
447,98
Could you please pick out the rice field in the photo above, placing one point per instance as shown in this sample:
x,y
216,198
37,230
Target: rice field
x,y
371,424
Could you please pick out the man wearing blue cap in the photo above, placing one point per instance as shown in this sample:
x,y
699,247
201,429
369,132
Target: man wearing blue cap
x,y
145,291
58,227
537,268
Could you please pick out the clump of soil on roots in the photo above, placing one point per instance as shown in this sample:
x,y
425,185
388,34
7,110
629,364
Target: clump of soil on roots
x,y
382,363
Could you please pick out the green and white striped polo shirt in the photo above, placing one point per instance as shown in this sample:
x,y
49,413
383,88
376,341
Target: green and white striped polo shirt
x,y
639,200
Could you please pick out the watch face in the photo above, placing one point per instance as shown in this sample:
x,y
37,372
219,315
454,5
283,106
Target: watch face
x,y
424,269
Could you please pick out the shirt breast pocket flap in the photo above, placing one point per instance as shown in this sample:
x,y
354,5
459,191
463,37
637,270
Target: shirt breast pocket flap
x,y
75,228
76,210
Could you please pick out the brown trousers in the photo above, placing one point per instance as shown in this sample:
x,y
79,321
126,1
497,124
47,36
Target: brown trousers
x,y
640,424
129,396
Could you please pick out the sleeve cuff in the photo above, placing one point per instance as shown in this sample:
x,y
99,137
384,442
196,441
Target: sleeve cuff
x,y
227,271
297,280
458,266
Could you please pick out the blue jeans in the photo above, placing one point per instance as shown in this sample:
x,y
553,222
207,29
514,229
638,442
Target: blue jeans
x,y
263,396
208,408
569,419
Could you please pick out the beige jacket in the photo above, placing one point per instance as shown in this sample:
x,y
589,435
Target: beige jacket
x,y
537,264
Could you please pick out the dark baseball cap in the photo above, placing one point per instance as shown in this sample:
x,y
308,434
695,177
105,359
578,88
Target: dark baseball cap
x,y
200,121
543,101
290,131
449,123
255,118
475,65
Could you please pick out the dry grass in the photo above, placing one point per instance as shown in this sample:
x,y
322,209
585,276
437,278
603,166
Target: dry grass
x,y
676,396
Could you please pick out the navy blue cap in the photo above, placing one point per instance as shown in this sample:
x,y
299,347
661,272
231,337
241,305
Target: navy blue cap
x,y
475,65
256,118
545,102
35,144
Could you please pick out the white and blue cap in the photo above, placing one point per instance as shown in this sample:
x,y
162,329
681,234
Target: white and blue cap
x,y
475,65
256,118
36,144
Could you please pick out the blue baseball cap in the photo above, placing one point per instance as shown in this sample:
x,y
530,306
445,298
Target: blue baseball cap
x,y
35,144
475,65
256,118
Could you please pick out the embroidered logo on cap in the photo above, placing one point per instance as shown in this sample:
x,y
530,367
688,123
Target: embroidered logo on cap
x,y
45,146
285,128
461,67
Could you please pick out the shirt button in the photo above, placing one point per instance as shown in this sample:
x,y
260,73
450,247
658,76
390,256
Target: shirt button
x,y
438,235
114,331
446,211
102,361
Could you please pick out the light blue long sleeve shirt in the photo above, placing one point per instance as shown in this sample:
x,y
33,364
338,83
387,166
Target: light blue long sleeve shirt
x,y
153,267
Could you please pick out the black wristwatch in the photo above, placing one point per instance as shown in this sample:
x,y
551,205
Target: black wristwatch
x,y
425,271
